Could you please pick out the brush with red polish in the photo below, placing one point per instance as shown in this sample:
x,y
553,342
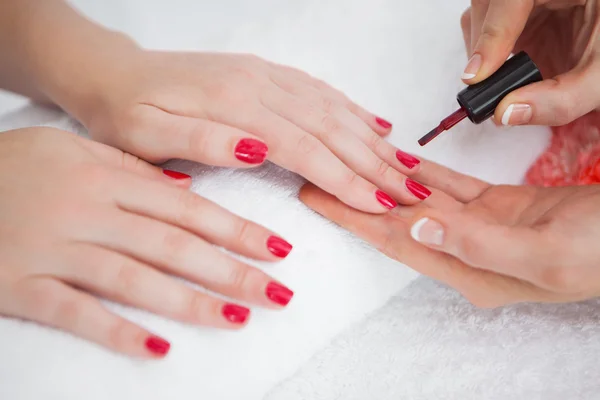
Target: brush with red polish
x,y
478,102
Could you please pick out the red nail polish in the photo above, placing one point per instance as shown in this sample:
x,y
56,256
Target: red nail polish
x,y
278,293
383,123
251,151
157,345
235,314
417,189
409,161
385,199
278,246
176,175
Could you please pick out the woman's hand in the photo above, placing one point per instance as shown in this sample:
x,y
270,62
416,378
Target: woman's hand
x,y
495,244
239,110
561,36
78,216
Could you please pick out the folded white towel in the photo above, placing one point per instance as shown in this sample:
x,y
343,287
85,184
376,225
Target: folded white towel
x,y
429,343
402,59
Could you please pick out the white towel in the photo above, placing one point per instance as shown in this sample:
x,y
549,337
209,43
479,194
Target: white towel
x,y
429,343
402,59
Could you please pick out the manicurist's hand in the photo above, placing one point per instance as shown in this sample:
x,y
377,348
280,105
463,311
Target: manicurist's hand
x,y
79,219
495,244
561,36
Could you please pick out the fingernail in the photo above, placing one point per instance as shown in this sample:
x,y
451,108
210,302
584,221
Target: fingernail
x,y
279,294
235,314
406,159
383,123
157,345
517,114
385,199
428,231
472,67
278,247
420,191
176,175
251,151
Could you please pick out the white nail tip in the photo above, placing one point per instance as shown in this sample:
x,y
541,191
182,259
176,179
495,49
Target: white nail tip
x,y
416,228
468,76
506,115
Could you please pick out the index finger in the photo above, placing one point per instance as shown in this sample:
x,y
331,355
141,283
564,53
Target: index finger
x,y
503,24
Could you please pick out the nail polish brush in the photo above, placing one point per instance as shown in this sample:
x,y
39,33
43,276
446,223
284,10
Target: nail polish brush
x,y
478,102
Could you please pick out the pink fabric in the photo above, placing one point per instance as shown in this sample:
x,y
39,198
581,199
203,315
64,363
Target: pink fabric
x,y
573,157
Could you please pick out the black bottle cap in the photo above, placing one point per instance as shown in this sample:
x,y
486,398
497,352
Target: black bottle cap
x,y
481,99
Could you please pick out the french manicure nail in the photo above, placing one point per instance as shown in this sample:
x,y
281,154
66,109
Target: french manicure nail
x,y
251,151
157,345
383,123
409,161
278,293
428,231
235,314
278,247
517,114
420,191
176,175
385,199
472,67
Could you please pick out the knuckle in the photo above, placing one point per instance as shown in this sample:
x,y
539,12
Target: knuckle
x,y
126,280
225,92
119,334
374,142
330,125
491,31
382,168
469,248
189,208
328,105
176,245
199,140
351,178
243,230
68,312
40,301
195,309
308,144
465,20
95,175
238,278
561,279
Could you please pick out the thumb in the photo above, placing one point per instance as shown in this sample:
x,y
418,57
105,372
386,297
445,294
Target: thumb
x,y
512,251
553,102
503,24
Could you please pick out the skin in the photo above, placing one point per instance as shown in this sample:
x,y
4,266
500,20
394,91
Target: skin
x,y
197,106
561,36
114,226
500,244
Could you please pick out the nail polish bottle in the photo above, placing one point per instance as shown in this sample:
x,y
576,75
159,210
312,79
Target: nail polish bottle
x,y
478,102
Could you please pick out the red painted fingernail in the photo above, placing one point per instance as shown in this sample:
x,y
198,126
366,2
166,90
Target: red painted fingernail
x,y
157,345
278,246
235,314
417,189
385,199
406,159
251,151
383,123
176,175
278,293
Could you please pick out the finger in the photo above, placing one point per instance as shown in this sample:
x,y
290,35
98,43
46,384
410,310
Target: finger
x,y
125,280
503,24
55,304
173,136
128,162
202,217
305,155
333,133
315,100
465,24
461,187
520,252
179,252
379,125
552,102
389,233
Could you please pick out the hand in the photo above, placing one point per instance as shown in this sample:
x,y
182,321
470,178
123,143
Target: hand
x,y
561,36
77,217
495,244
238,110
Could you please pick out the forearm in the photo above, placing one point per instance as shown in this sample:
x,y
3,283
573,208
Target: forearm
x,y
50,52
